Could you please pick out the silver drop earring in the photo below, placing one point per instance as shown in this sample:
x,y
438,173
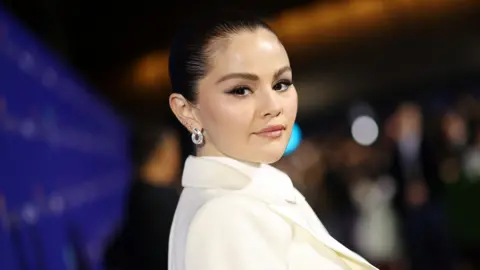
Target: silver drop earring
x,y
197,136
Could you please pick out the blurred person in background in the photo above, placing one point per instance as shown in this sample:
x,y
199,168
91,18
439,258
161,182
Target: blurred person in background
x,y
420,194
460,171
472,158
455,133
454,144
470,199
143,240
344,165
376,233
234,93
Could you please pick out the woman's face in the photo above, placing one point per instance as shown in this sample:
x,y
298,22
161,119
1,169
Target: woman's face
x,y
247,103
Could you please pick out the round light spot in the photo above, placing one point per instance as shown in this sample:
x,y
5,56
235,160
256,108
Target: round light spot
x,y
364,130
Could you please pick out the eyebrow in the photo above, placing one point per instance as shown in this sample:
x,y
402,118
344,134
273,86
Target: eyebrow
x,y
252,77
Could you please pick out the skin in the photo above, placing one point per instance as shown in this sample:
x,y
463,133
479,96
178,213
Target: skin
x,y
247,89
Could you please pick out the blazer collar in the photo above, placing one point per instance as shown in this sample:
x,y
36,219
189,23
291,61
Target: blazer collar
x,y
264,181
212,173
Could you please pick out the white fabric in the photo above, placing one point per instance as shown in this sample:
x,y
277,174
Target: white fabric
x,y
238,216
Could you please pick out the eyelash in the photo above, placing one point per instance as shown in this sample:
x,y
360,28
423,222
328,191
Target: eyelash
x,y
235,91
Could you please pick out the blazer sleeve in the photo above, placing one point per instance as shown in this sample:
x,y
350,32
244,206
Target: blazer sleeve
x,y
237,234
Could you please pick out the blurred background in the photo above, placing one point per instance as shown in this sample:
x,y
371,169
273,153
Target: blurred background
x,y
386,147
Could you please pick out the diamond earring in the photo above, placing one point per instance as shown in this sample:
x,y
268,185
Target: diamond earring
x,y
197,136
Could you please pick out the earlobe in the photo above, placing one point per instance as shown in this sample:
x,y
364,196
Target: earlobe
x,y
183,110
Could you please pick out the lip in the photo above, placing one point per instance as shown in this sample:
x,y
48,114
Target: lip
x,y
271,131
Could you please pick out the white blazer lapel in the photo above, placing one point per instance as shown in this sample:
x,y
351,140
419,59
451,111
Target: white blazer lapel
x,y
294,217
211,174
204,173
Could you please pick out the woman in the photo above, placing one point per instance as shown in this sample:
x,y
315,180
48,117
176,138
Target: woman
x,y
233,91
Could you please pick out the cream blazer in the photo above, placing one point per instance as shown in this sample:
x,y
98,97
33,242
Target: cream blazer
x,y
234,216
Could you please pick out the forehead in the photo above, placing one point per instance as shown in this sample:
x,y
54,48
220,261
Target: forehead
x,y
257,51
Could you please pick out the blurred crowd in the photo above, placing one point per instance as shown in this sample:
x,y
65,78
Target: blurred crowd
x,y
408,201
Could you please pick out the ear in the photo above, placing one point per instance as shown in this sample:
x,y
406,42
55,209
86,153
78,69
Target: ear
x,y
184,111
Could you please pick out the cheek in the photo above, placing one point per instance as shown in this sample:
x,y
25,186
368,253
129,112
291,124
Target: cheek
x,y
226,118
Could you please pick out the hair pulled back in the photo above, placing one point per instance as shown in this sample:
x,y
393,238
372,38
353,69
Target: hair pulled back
x,y
189,54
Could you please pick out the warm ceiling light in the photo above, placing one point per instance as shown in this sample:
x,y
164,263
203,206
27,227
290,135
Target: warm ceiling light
x,y
151,71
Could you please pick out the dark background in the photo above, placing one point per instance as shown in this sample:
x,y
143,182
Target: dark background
x,y
399,55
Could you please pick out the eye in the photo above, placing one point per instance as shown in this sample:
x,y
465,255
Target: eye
x,y
282,86
240,91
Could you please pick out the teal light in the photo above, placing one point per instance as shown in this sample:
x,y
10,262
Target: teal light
x,y
294,141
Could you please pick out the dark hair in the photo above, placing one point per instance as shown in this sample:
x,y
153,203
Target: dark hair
x,y
188,61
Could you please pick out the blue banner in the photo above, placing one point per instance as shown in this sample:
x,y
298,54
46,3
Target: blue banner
x,y
64,163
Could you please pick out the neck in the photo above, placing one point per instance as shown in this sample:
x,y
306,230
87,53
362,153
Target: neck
x,y
210,151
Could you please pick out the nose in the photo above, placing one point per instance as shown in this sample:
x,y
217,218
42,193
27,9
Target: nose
x,y
270,105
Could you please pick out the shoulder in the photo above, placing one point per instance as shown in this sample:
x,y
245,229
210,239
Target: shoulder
x,y
235,222
235,213
232,206
251,235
